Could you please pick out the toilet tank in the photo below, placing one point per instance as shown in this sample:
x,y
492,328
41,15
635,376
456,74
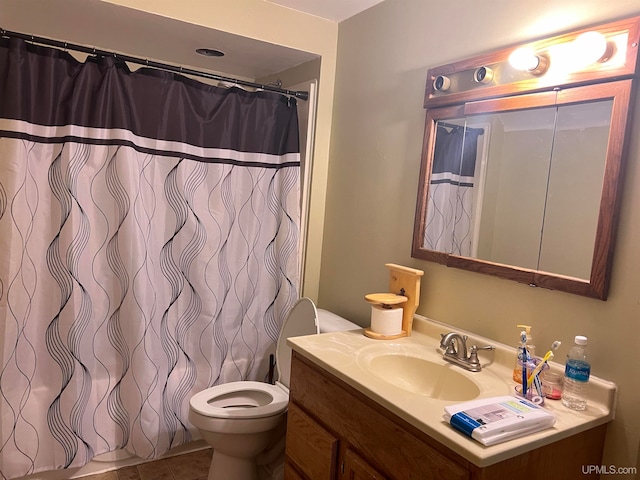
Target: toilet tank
x,y
330,322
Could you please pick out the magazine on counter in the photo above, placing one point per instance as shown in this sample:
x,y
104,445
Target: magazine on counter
x,y
498,419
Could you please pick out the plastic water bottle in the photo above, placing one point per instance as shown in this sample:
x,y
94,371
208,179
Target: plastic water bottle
x,y
576,375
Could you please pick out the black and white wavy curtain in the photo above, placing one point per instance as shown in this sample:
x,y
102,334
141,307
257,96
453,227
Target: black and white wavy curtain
x,y
449,222
149,229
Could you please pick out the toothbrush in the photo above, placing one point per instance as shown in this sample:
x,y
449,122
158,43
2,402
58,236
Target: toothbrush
x,y
536,371
525,359
548,356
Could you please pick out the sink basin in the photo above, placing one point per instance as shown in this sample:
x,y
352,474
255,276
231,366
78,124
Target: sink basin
x,y
408,367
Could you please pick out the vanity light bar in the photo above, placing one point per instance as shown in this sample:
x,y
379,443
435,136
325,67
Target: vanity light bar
x,y
588,55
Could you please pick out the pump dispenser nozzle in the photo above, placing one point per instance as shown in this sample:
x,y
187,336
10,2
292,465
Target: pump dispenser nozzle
x,y
531,349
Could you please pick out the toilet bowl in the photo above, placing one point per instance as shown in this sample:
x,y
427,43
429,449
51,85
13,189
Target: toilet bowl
x,y
240,420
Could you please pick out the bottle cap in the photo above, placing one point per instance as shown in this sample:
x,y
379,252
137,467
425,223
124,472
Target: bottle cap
x,y
580,340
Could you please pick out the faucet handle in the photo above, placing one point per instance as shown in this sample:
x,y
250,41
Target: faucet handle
x,y
473,356
486,347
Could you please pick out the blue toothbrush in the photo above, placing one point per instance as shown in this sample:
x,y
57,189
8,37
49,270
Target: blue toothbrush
x,y
525,359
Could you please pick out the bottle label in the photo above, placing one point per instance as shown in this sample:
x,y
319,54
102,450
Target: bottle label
x,y
577,370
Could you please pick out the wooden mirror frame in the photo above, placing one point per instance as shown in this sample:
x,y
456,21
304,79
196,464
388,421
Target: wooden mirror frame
x,y
521,91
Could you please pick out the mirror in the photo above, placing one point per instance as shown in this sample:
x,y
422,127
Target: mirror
x,y
530,194
523,185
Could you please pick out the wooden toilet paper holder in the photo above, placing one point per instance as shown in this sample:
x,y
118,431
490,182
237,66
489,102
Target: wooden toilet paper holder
x,y
404,285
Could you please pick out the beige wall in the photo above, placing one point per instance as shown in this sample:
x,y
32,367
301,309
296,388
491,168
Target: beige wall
x,y
268,22
376,138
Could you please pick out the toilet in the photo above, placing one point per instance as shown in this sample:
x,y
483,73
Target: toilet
x,y
240,420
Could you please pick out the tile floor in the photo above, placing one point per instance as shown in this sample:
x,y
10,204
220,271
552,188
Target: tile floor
x,y
189,466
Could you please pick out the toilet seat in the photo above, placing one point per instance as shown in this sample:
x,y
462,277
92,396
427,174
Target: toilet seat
x,y
249,399
243,399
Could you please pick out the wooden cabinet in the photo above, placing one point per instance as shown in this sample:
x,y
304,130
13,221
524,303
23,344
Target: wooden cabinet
x,y
357,468
312,449
334,432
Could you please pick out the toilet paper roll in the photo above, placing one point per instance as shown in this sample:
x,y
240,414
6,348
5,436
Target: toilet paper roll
x,y
386,321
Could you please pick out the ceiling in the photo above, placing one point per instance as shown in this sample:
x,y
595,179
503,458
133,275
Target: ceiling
x,y
114,28
334,10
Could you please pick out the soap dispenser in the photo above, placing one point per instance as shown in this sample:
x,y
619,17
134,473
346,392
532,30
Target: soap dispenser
x,y
531,350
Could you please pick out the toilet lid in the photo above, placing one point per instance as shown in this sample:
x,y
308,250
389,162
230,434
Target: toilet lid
x,y
302,320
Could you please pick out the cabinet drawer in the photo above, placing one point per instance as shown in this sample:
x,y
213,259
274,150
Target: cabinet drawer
x,y
311,449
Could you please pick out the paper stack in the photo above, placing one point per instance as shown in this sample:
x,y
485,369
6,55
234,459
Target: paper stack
x,y
498,419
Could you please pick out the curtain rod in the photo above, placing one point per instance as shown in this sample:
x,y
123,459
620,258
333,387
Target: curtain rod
x,y
150,63
453,125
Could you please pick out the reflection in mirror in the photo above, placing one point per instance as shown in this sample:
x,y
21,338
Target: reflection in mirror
x,y
575,185
517,168
451,189
526,188
520,187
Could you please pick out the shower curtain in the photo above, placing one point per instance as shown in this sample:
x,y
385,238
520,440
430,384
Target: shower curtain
x,y
149,232
448,226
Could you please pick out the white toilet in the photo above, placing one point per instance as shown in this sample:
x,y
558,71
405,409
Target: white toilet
x,y
241,419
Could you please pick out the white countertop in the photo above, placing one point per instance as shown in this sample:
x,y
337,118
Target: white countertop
x,y
345,354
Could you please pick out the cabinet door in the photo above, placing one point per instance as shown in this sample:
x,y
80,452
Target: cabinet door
x,y
311,449
357,468
290,473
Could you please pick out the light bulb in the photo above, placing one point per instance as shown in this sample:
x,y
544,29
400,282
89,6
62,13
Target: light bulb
x,y
524,58
589,47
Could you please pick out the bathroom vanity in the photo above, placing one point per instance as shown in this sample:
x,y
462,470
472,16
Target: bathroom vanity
x,y
345,422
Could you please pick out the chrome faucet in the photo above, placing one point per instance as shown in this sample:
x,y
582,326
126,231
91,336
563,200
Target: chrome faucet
x,y
454,346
